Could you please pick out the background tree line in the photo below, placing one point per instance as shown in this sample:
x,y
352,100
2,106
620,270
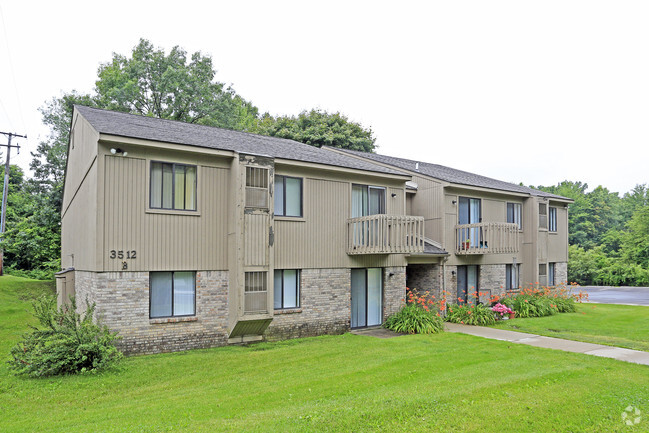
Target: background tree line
x,y
153,83
609,234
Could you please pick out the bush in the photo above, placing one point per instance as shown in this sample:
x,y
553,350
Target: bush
x,y
413,319
470,314
66,343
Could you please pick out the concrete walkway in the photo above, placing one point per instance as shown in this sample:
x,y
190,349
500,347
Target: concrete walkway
x,y
628,355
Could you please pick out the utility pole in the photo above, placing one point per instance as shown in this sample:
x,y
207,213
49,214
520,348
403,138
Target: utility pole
x,y
5,190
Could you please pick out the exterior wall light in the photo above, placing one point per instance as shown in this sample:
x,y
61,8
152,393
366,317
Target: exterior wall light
x,y
118,151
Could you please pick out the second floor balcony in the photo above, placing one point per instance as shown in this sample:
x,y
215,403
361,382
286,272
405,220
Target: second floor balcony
x,y
486,238
385,234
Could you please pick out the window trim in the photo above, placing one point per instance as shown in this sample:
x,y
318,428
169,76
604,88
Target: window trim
x,y
298,275
552,221
283,215
172,297
161,209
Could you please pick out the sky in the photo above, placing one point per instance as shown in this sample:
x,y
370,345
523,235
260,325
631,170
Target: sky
x,y
533,92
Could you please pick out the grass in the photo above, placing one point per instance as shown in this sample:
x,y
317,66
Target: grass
x,y
614,325
443,382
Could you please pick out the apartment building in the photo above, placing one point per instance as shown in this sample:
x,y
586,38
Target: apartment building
x,y
188,236
500,236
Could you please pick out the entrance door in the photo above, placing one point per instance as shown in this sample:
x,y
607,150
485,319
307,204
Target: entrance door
x,y
367,297
467,282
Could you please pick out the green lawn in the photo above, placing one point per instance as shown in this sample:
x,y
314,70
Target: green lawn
x,y
614,325
447,382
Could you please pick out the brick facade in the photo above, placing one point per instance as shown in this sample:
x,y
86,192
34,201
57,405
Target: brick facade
x,y
122,300
325,303
325,306
561,273
394,290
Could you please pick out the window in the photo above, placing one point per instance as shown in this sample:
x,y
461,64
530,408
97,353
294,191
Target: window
x,y
512,277
553,219
257,187
367,200
287,288
288,196
173,186
551,274
172,294
468,278
543,216
514,214
543,270
469,212
255,291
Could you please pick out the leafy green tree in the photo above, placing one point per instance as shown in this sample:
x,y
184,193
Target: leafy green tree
x,y
635,246
319,128
171,86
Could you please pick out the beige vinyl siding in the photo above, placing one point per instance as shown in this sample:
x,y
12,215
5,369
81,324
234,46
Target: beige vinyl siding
x,y
319,239
79,226
256,239
163,241
558,241
82,153
427,202
493,209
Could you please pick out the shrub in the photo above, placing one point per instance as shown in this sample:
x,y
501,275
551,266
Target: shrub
x,y
65,343
566,305
470,314
416,316
412,319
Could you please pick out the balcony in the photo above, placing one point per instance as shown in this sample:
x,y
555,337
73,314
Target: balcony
x,y
486,238
385,234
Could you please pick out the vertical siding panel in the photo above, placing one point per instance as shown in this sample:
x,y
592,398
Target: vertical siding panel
x,y
163,241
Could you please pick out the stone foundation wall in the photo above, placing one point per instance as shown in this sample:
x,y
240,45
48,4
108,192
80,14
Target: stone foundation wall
x,y
561,273
492,280
394,290
424,278
325,303
122,300
325,306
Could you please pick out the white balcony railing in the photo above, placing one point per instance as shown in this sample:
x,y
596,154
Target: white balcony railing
x,y
385,234
486,238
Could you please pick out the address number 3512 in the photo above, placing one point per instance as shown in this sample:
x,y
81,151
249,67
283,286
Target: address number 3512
x,y
121,254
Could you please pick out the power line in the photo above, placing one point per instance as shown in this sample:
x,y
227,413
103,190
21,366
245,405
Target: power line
x,y
5,189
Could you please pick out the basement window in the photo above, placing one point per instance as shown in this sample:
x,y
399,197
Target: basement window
x,y
172,294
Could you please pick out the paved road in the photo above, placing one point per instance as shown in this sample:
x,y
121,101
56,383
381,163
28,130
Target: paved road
x,y
617,295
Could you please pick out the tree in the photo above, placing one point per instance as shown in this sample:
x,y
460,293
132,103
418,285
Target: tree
x,y
149,82
152,83
319,128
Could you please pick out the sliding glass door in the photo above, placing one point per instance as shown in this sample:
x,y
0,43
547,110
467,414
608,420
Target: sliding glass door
x,y
467,283
367,297
470,212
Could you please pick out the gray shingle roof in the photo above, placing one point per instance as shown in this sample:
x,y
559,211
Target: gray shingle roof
x,y
452,175
169,131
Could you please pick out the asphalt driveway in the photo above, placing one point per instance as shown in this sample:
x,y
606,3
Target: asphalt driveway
x,y
617,295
